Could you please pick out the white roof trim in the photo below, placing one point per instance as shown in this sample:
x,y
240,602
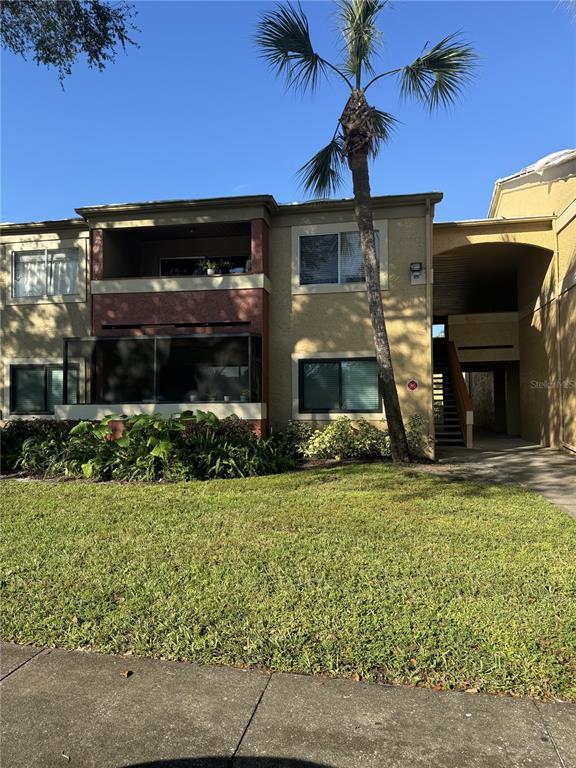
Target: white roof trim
x,y
538,168
549,161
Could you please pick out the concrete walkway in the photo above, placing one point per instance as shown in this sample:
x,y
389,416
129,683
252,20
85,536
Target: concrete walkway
x,y
510,460
63,708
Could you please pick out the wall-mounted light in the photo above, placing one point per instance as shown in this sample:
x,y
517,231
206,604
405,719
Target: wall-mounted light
x,y
417,273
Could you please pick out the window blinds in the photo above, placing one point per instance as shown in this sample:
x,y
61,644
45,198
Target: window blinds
x,y
335,258
339,385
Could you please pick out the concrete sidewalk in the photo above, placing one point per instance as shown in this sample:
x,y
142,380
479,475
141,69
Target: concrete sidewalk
x,y
502,459
63,708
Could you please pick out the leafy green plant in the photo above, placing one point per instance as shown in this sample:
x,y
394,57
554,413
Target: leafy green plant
x,y
292,440
342,439
85,450
218,265
192,446
214,448
345,439
420,441
16,432
147,447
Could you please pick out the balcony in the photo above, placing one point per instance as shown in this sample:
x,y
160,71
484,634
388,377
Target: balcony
x,y
164,375
179,257
160,277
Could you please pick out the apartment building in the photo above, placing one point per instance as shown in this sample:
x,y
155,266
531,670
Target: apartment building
x,y
244,306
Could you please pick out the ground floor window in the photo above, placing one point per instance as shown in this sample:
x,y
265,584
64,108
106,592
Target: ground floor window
x,y
342,386
36,389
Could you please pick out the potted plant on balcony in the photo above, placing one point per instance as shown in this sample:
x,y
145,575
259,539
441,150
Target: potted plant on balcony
x,y
216,266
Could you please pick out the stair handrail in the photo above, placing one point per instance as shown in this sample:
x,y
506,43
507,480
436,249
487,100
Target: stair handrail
x,y
463,400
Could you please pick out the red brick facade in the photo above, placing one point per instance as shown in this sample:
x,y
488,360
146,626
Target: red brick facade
x,y
96,254
172,313
259,245
178,312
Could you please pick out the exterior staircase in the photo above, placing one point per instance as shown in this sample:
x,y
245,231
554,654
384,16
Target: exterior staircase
x,y
446,419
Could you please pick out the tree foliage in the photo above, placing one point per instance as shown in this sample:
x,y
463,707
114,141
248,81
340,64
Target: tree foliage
x,y
57,32
435,77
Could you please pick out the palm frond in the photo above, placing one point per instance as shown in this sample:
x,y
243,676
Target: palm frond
x,y
322,175
357,22
384,125
283,36
439,74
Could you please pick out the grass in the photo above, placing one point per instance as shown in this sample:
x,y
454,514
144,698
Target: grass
x,y
367,571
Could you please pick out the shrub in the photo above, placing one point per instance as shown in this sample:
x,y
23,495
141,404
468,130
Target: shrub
x,y
292,440
420,441
342,439
16,432
225,448
192,446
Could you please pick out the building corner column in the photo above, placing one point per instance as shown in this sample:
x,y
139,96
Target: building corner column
x,y
259,257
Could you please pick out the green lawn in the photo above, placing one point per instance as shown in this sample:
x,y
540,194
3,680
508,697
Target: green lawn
x,y
366,570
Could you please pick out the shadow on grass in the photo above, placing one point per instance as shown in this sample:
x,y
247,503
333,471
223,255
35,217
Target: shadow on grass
x,y
229,762
408,483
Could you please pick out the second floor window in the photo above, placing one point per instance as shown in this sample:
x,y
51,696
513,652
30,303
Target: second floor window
x,y
332,258
42,272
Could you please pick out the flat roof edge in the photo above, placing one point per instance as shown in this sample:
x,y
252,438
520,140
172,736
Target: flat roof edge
x,y
42,226
243,201
389,200
267,201
492,222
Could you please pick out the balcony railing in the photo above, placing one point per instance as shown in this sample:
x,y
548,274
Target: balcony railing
x,y
163,370
230,281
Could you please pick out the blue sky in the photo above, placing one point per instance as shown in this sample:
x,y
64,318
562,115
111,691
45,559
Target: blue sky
x,y
195,113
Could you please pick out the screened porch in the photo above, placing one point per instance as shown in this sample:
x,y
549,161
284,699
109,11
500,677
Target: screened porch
x,y
163,370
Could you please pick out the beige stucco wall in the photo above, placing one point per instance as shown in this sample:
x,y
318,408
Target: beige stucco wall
x,y
304,325
546,295
547,305
487,329
136,216
547,310
536,194
457,234
566,232
31,330
567,328
539,403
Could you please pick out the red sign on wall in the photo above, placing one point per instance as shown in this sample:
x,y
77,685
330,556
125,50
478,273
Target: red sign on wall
x,y
412,385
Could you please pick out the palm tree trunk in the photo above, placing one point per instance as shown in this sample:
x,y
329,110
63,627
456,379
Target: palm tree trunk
x,y
358,163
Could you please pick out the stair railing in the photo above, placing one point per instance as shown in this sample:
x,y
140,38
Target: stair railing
x,y
463,399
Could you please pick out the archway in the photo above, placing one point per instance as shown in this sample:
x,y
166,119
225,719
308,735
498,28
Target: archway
x,y
497,302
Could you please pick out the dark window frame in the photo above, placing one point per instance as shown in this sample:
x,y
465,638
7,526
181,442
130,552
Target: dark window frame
x,y
338,233
255,373
339,360
45,367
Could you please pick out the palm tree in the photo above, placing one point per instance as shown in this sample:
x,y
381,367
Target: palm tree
x,y
435,78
